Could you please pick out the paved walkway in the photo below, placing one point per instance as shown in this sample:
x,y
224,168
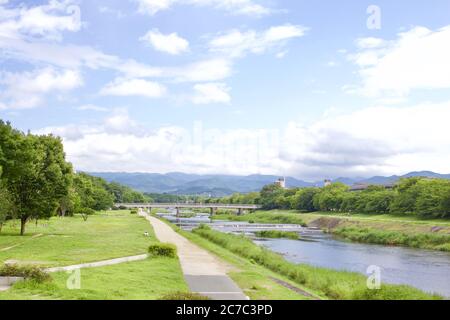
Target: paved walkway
x,y
204,273
99,263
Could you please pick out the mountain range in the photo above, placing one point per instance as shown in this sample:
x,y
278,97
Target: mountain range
x,y
223,185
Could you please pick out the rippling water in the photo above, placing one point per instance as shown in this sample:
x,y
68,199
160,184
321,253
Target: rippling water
x,y
424,269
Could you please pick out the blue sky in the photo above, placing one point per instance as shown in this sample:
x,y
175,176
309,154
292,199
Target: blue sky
x,y
303,88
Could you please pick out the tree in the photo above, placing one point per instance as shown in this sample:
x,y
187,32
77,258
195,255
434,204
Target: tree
x,y
36,173
304,199
5,204
269,195
330,197
405,196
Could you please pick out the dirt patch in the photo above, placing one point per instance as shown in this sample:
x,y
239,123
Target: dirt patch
x,y
326,223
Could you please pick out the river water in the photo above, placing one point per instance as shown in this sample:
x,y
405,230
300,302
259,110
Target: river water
x,y
427,270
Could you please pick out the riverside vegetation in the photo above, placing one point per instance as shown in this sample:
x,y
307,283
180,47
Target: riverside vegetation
x,y
329,283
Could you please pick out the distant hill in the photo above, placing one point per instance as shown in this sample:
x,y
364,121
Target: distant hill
x,y
190,184
222,185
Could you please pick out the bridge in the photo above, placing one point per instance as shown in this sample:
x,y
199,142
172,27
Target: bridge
x,y
213,207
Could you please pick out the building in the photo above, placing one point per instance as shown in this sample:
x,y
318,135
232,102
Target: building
x,y
327,183
281,182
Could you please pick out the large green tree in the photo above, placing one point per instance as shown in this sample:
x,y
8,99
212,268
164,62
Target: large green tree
x,y
36,173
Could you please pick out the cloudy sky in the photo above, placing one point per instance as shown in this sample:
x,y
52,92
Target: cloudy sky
x,y
312,89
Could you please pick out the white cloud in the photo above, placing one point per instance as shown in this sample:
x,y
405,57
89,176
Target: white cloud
x,y
134,87
28,89
237,44
371,141
208,93
237,7
45,21
202,71
417,59
91,107
170,43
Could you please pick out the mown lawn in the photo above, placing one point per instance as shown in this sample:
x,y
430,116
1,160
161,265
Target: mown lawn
x,y
143,280
103,236
71,240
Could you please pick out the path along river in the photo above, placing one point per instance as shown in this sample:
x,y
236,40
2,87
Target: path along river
x,y
424,269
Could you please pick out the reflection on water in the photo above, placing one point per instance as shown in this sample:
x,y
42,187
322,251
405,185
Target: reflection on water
x,y
424,269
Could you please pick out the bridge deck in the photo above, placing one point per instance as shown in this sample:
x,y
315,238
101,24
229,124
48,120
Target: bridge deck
x,y
188,205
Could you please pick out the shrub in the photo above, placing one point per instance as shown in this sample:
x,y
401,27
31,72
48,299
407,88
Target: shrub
x,y
27,272
163,250
179,296
276,234
134,211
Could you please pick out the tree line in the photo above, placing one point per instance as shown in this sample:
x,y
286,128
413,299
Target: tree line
x,y
36,181
419,196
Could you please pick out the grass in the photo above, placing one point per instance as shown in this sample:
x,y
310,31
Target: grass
x,y
282,217
422,240
330,283
276,234
103,236
400,219
67,241
151,279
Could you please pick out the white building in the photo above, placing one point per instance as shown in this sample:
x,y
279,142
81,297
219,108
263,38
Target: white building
x,y
281,182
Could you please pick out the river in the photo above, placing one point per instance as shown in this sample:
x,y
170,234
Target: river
x,y
427,270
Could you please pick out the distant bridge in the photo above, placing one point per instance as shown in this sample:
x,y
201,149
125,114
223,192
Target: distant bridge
x,y
177,206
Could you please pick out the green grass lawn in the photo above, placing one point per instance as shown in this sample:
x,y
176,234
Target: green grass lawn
x,y
143,280
103,236
71,240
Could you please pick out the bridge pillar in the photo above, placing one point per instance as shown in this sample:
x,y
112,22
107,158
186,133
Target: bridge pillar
x,y
178,211
240,212
213,211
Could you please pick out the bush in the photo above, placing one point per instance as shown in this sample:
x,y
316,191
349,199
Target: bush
x,y
163,250
134,211
277,234
180,296
27,272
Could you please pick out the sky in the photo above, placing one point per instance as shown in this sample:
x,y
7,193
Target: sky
x,y
310,89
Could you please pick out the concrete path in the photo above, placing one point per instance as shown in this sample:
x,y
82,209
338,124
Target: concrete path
x,y
204,273
99,263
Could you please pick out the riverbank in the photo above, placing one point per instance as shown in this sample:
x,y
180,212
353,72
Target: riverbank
x,y
257,282
324,282
376,229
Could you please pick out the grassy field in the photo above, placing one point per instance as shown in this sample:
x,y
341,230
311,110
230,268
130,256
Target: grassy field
x,y
60,242
144,280
104,236
325,282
